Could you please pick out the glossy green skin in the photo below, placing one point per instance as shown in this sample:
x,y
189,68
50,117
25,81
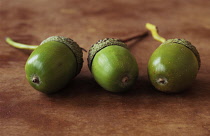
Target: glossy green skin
x,y
111,64
55,65
175,63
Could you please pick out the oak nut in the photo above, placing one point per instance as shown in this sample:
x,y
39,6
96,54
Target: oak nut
x,y
173,66
112,65
52,65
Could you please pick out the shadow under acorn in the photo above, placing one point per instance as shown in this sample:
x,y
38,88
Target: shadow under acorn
x,y
84,92
87,86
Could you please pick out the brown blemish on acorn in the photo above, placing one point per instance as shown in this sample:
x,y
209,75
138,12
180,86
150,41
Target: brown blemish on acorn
x,y
125,79
162,81
35,80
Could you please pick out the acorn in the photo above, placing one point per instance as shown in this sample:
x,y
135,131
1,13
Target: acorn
x,y
173,66
112,65
52,64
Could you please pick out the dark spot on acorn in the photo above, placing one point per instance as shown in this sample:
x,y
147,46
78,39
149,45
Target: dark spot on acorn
x,y
125,79
35,80
162,81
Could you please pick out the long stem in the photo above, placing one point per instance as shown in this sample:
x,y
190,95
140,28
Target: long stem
x,y
135,37
149,26
20,45
154,31
25,46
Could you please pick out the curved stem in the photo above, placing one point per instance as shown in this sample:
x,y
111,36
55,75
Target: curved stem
x,y
135,37
20,45
25,46
154,32
83,49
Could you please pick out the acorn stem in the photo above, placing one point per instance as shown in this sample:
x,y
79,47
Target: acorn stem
x,y
140,36
83,49
20,45
154,31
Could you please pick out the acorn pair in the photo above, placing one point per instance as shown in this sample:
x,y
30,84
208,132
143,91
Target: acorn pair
x,y
52,65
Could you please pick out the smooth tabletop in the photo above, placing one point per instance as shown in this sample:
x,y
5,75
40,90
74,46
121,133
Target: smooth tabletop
x,y
84,108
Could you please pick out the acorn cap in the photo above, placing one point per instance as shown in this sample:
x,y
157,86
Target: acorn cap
x,y
186,44
100,45
74,47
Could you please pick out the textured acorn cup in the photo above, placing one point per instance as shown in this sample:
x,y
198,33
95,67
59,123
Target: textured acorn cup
x,y
52,65
173,66
113,66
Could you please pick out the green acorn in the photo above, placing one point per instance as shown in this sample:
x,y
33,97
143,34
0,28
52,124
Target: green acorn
x,y
112,65
173,66
53,64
